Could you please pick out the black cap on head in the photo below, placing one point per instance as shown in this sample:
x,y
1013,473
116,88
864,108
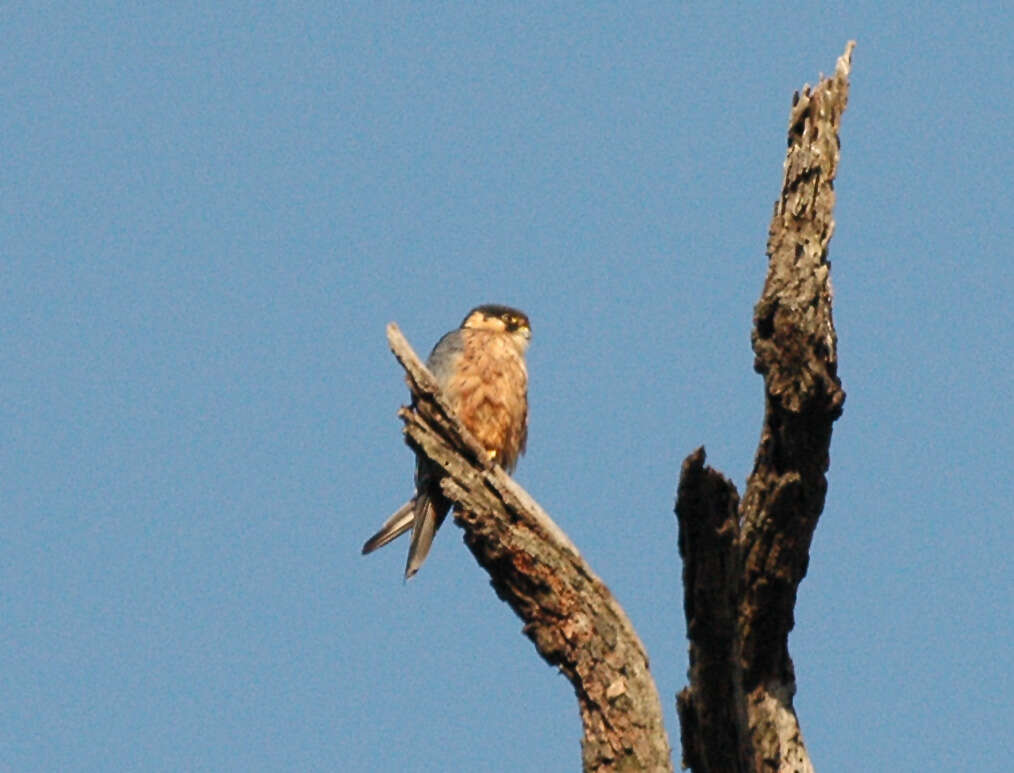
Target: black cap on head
x,y
512,318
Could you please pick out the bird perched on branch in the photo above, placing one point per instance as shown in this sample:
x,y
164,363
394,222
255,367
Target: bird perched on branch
x,y
480,368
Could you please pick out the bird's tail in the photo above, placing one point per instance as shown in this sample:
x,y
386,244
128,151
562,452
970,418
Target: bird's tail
x,y
429,514
400,522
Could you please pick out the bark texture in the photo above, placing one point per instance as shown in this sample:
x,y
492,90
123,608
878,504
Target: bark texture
x,y
568,612
744,560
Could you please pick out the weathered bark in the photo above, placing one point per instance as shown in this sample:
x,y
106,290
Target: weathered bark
x,y
741,576
712,711
569,614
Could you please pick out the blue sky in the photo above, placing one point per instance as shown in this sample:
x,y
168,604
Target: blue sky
x,y
210,212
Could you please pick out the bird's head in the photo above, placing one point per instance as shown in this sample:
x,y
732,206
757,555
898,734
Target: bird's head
x,y
500,319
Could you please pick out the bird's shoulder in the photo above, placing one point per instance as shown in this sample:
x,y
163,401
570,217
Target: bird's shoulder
x,y
446,353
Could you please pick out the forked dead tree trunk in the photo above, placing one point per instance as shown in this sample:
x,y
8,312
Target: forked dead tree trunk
x,y
742,560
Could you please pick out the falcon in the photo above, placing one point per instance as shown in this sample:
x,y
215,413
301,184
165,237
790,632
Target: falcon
x,y
480,368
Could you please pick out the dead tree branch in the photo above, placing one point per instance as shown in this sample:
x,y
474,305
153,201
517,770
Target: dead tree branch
x,y
712,711
568,612
742,568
